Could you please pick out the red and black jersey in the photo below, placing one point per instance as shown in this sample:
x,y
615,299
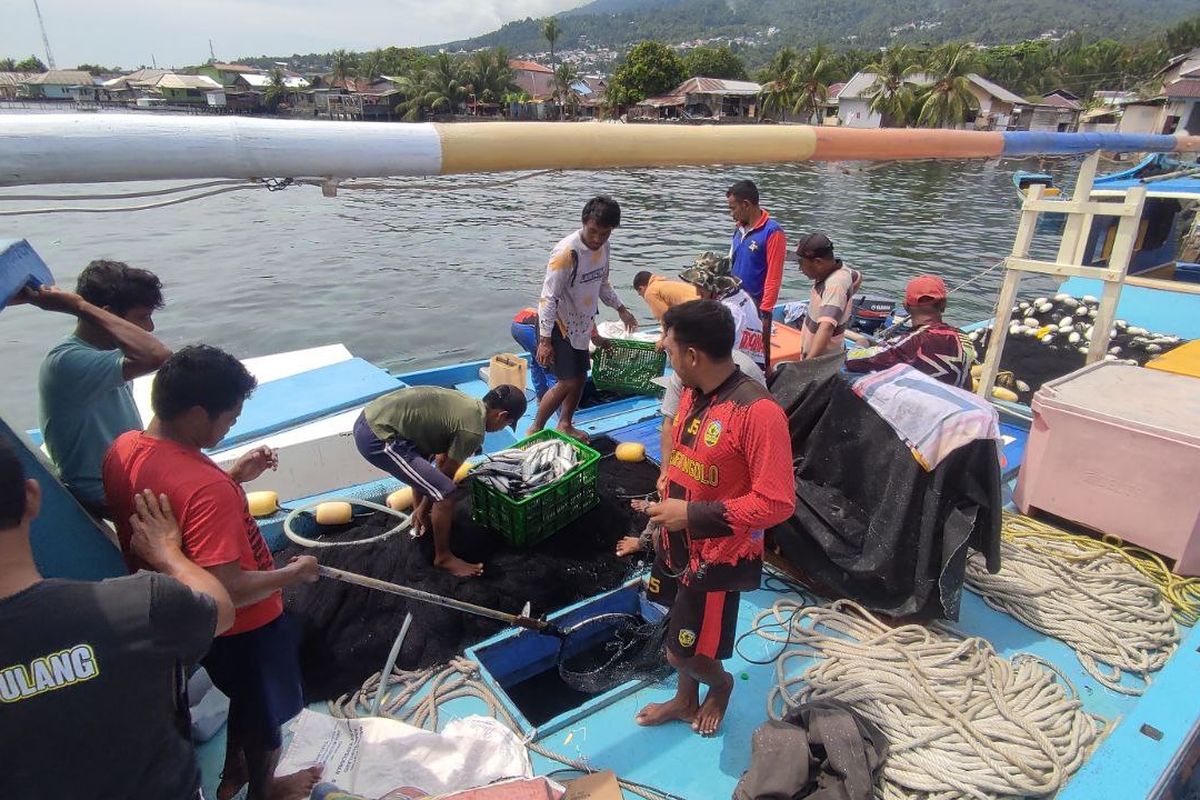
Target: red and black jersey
x,y
939,350
731,459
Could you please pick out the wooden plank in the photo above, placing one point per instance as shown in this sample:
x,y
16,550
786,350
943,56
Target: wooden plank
x,y
1097,207
1118,262
1063,270
1166,286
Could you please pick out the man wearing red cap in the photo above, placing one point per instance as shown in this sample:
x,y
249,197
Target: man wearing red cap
x,y
935,348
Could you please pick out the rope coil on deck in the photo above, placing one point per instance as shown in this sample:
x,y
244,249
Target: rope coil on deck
x,y
1183,594
1089,598
962,722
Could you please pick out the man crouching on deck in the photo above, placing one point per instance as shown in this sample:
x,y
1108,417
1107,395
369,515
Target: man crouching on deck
x,y
729,478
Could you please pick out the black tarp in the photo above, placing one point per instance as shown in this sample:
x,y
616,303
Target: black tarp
x,y
870,523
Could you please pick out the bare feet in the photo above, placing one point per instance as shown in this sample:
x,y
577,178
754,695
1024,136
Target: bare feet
x,y
456,566
532,429
628,546
574,433
297,786
233,778
672,710
712,710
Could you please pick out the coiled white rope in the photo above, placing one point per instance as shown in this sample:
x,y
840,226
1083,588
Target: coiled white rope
x,y
1093,600
961,721
303,541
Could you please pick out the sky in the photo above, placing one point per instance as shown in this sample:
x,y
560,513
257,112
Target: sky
x,y
130,33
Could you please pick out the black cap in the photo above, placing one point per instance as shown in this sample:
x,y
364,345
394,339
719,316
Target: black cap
x,y
508,398
813,244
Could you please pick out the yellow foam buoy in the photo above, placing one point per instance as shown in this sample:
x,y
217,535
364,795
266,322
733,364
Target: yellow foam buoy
x,y
1000,393
262,504
976,371
631,452
466,467
401,499
334,512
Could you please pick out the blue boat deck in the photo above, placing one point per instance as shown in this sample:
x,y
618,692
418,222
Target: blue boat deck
x,y
1148,731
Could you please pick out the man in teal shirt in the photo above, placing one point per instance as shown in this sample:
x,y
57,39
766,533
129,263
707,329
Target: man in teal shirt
x,y
85,397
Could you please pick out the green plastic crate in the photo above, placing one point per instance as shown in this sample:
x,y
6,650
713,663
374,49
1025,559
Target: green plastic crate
x,y
628,366
539,515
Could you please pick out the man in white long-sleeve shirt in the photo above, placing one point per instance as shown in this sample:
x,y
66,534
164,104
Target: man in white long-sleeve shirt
x,y
576,282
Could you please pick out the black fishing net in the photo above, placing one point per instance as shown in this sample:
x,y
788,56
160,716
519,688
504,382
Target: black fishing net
x,y
347,630
606,651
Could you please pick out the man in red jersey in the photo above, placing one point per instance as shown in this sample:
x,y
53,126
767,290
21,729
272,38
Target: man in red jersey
x,y
197,397
729,478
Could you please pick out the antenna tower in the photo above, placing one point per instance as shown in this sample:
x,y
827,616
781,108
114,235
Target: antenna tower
x,y
45,39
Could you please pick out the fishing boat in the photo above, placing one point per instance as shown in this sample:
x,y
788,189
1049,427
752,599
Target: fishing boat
x,y
308,399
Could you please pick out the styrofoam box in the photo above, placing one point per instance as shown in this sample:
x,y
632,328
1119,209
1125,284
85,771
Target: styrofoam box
x,y
1116,448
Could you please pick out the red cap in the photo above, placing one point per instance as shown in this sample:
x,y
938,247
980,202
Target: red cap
x,y
924,289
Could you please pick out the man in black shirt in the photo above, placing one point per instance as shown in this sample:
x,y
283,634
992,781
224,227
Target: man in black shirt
x,y
93,699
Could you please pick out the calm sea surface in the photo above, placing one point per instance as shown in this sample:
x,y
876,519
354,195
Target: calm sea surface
x,y
415,278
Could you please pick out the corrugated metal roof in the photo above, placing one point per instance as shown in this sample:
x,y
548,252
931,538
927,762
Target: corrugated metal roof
x,y
1184,88
834,90
663,101
61,77
859,85
15,78
1058,101
716,86
173,81
528,66
147,77
995,90
233,67
262,81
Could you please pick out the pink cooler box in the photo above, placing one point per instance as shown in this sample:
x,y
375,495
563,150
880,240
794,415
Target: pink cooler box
x,y
1116,448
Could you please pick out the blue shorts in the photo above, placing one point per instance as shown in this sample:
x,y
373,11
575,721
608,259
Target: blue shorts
x,y
259,671
401,459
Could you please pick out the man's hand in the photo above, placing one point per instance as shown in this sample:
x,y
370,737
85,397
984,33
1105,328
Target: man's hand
x,y
672,514
304,569
254,463
600,342
156,536
545,353
49,298
662,484
631,323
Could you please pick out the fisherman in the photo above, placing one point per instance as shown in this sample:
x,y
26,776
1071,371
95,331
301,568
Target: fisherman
x,y
758,251
830,301
576,279
86,400
405,433
96,666
929,344
729,478
660,293
197,396
525,334
710,275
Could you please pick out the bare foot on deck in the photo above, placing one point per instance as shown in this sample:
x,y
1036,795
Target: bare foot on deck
x,y
532,429
712,710
670,711
574,433
628,546
297,786
456,566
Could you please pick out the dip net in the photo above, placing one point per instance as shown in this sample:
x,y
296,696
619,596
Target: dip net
x,y
608,650
347,631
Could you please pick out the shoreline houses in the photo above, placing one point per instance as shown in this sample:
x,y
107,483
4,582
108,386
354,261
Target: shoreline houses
x,y
998,108
702,98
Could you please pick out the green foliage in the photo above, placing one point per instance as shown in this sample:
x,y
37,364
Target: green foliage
x,y
438,88
276,91
947,100
779,93
565,77
851,62
714,62
814,72
7,65
31,64
96,69
1183,37
648,69
893,94
486,75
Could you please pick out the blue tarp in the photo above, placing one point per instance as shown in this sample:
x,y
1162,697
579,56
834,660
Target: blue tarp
x,y
20,266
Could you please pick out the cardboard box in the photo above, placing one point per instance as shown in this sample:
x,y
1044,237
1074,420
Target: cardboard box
x,y
597,786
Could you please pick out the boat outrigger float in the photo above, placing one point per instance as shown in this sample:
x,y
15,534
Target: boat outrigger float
x,y
1105,735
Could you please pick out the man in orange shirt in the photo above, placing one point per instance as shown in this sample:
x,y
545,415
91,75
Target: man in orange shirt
x,y
660,294
197,396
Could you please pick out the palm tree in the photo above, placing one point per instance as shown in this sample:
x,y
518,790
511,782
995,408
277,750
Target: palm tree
x,y
778,94
565,78
369,66
813,74
947,99
551,32
439,87
892,94
343,65
488,76
276,91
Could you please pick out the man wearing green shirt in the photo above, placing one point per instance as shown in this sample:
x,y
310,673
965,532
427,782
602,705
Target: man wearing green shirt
x,y
406,432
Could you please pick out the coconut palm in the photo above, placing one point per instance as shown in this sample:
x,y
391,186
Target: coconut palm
x,y
813,74
947,98
551,32
343,65
439,87
369,66
276,91
565,78
488,76
892,95
778,94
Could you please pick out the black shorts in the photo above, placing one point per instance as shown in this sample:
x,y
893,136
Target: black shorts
x,y
568,362
260,673
703,623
